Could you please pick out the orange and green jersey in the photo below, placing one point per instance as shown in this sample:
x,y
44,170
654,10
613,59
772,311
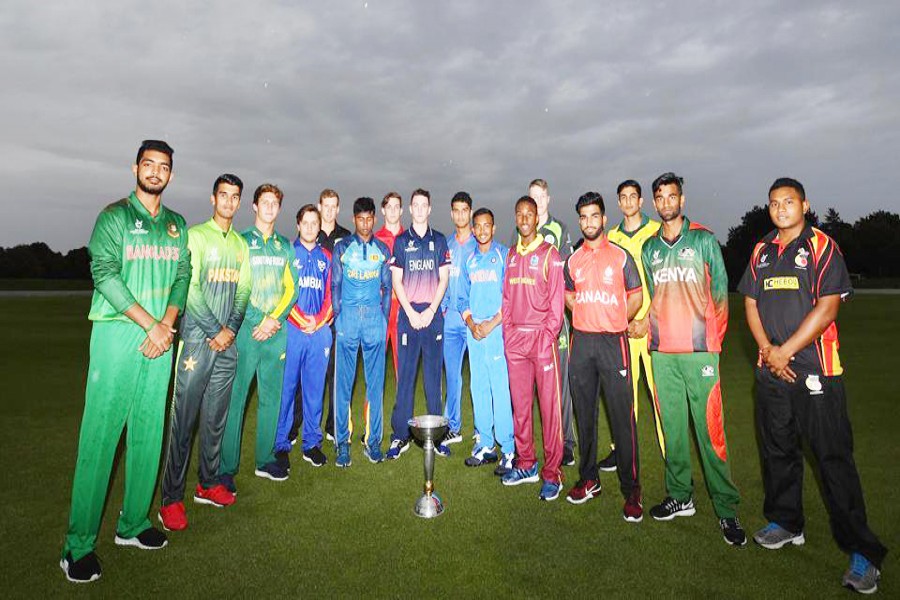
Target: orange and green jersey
x,y
273,290
633,242
220,282
688,289
138,259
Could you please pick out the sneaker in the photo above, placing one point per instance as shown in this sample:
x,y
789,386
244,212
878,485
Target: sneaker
x,y
315,456
172,516
861,576
149,539
329,436
442,450
343,456
584,490
550,491
633,511
452,437
83,570
670,508
507,462
568,458
481,456
733,532
283,460
228,481
517,476
293,441
773,536
272,472
397,448
216,496
608,464
373,453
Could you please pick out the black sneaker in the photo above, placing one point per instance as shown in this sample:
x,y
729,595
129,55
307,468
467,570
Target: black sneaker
x,y
733,532
315,457
228,481
608,464
272,472
83,570
283,460
568,458
670,508
149,539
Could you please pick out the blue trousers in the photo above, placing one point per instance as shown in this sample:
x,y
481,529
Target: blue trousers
x,y
306,360
455,332
491,403
357,326
429,344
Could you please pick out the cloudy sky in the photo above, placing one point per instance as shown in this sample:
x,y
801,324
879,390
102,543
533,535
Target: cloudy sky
x,y
367,97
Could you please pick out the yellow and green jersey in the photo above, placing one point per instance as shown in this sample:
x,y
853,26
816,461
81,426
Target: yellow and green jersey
x,y
220,281
273,290
633,242
138,259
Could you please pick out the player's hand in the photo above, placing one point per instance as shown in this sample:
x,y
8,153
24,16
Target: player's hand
x,y
149,349
266,329
223,340
414,318
779,362
161,335
310,327
638,328
426,317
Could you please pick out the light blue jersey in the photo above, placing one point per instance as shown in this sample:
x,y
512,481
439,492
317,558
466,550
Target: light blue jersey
x,y
459,254
481,289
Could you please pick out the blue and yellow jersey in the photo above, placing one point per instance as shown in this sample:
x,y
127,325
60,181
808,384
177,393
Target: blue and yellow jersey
x,y
360,274
313,269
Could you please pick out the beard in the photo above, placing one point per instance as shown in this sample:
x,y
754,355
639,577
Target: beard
x,y
149,188
666,218
591,237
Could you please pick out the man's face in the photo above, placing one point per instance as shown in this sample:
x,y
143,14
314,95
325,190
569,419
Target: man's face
x,y
668,201
526,219
786,209
364,223
484,229
461,213
542,198
592,221
420,209
226,200
267,208
328,208
308,227
153,172
392,212
630,202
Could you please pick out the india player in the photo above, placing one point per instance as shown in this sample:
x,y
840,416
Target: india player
x,y
141,269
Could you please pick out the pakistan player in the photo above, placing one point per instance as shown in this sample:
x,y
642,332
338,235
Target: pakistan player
x,y
141,269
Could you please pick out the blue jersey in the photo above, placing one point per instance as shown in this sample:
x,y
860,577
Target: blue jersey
x,y
420,259
360,274
313,269
459,254
481,282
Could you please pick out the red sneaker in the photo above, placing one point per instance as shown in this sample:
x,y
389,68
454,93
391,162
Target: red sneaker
x,y
634,510
172,516
584,490
217,495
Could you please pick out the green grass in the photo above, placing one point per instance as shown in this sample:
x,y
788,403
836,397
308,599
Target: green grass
x,y
351,533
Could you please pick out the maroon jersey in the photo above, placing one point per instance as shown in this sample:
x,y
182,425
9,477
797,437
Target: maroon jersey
x,y
534,288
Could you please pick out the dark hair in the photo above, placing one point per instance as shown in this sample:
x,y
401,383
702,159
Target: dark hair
x,y
629,183
230,180
363,205
305,209
788,182
158,145
527,200
668,178
589,198
461,197
268,188
483,211
388,196
420,192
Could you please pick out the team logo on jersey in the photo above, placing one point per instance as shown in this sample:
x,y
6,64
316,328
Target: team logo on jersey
x,y
493,260
578,273
296,263
762,261
656,259
374,257
431,246
607,275
708,371
814,385
800,260
172,230
277,244
254,244
139,228
411,246
213,255
321,264
190,363
534,261
686,254
550,239
623,372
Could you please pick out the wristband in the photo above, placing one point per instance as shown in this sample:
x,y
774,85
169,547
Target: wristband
x,y
152,325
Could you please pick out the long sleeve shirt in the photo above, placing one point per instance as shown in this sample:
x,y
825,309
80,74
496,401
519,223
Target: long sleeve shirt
x,y
360,275
313,271
273,290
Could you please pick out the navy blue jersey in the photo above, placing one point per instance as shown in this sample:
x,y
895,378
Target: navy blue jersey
x,y
420,259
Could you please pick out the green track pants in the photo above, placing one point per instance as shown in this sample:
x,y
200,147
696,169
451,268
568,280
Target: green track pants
x,y
124,390
689,383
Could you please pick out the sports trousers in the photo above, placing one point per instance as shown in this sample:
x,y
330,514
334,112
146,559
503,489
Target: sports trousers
x,y
813,408
392,334
203,383
601,361
568,414
532,357
455,338
489,385
265,362
124,390
306,362
428,343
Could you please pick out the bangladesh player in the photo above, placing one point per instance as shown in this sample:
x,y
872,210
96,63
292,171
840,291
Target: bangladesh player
x,y
141,269
688,287
635,229
392,210
261,341
207,357
533,303
793,288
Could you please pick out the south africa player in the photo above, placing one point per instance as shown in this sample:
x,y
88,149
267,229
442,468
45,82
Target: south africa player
x,y
207,357
261,341
141,269
688,287
793,288
392,210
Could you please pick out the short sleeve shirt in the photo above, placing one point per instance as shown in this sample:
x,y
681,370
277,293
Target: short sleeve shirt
x,y
602,279
420,259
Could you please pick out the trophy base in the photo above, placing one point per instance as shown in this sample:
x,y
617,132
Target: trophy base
x,y
429,506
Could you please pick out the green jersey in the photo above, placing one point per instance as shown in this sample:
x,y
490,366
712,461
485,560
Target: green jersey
x,y
688,289
271,263
138,259
220,281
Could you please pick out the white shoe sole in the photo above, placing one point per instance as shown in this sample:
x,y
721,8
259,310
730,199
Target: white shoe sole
x,y
512,482
136,543
402,450
633,519
199,500
797,540
64,565
453,440
163,523
549,498
313,463
590,496
685,512
340,466
265,475
607,469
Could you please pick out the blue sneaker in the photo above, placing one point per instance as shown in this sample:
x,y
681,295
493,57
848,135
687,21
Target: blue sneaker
x,y
442,450
861,575
397,448
343,456
481,456
517,476
507,463
373,453
550,491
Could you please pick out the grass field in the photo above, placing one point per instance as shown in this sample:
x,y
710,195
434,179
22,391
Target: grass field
x,y
351,533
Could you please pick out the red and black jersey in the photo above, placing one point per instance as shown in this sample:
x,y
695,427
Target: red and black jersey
x,y
786,281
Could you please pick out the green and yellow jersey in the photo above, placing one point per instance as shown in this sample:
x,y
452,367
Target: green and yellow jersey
x,y
633,242
274,289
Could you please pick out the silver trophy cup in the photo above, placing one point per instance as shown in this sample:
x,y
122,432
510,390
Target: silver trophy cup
x,y
428,429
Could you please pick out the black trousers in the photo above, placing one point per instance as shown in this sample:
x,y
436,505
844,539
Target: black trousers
x,y
602,360
813,408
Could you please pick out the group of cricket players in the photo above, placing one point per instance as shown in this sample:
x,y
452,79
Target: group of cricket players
x,y
293,316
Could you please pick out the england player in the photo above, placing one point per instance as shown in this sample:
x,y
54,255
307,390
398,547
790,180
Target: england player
x,y
207,357
420,270
141,269
793,288
392,210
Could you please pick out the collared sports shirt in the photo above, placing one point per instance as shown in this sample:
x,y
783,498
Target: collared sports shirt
x,y
481,283
554,232
384,234
633,241
534,288
420,259
459,254
360,274
328,240
786,281
273,290
313,270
